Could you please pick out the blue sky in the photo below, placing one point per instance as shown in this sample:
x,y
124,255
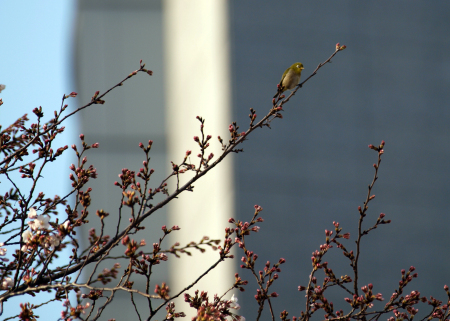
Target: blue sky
x,y
36,67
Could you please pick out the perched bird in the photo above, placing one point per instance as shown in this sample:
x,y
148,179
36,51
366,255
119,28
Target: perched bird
x,y
290,78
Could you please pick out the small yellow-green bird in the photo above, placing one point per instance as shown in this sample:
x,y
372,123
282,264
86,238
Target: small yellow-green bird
x,y
290,78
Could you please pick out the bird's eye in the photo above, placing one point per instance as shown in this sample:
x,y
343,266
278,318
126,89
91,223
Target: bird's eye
x,y
298,66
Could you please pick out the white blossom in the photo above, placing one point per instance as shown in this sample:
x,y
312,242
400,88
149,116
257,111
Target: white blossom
x,y
32,213
2,87
65,225
7,283
40,223
26,236
2,251
53,240
235,300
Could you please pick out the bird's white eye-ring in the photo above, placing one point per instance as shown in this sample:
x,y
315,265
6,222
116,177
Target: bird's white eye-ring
x,y
298,66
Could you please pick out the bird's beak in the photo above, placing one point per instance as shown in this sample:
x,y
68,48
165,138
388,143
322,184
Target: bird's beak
x,y
302,68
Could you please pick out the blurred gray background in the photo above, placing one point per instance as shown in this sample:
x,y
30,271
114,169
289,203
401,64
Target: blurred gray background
x,y
313,166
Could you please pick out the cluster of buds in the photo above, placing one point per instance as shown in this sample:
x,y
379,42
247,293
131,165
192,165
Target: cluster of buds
x,y
73,313
84,145
28,275
366,300
107,275
369,296
319,301
148,148
239,283
127,178
212,311
96,242
203,143
378,148
262,295
244,228
317,255
197,300
252,116
338,230
93,294
233,129
162,291
249,260
72,94
167,231
156,256
381,219
407,276
82,175
26,311
130,199
27,172
339,47
96,100
171,314
132,246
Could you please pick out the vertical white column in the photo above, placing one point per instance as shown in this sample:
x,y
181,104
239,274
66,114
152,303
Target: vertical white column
x,y
198,83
